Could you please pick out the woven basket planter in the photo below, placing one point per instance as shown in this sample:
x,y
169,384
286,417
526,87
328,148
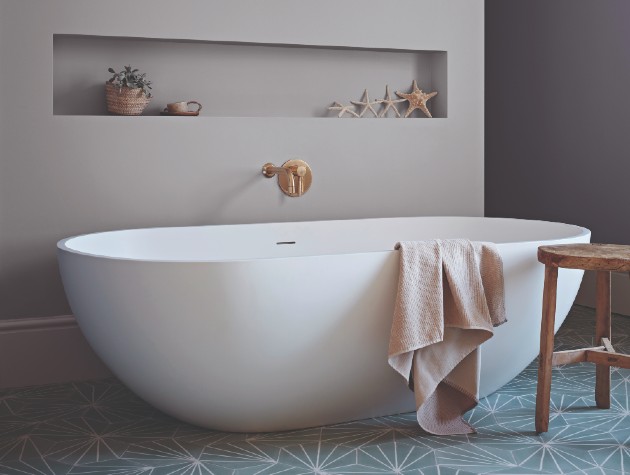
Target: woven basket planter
x,y
126,101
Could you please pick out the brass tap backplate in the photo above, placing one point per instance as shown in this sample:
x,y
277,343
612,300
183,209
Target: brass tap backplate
x,y
307,179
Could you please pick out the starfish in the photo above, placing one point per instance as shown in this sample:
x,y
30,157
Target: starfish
x,y
366,103
417,100
389,103
342,109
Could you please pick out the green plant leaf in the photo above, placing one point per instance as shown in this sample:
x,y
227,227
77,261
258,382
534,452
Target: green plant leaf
x,y
130,78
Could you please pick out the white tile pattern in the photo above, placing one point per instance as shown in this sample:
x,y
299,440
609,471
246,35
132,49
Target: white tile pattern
x,y
99,427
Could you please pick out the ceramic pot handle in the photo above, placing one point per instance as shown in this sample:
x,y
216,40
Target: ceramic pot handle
x,y
194,102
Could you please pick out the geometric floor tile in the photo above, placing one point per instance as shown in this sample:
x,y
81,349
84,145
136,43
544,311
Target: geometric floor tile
x,y
100,427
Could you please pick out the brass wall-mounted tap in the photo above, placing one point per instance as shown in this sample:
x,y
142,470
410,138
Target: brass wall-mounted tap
x,y
294,176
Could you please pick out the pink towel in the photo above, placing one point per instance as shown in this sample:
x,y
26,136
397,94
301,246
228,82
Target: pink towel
x,y
450,295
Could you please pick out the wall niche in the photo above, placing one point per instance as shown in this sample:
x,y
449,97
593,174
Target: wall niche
x,y
242,79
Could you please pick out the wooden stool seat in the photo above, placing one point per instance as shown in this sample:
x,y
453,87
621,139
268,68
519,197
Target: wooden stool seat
x,y
606,257
603,258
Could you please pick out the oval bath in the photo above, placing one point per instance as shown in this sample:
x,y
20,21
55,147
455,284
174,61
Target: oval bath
x,y
265,327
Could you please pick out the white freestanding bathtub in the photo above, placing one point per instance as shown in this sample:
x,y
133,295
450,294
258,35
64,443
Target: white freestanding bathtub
x,y
265,327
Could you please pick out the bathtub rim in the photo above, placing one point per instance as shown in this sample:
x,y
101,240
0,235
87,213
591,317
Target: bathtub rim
x,y
62,244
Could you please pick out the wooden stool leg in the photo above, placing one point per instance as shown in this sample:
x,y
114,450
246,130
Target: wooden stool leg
x,y
602,330
543,391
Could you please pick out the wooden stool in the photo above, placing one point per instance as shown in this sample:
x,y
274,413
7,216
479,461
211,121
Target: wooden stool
x,y
602,258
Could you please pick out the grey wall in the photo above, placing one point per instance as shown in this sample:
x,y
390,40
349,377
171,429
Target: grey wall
x,y
558,113
63,175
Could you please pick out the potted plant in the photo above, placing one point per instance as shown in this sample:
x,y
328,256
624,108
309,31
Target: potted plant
x,y
127,92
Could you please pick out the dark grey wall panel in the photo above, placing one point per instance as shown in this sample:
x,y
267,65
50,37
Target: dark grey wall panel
x,y
558,113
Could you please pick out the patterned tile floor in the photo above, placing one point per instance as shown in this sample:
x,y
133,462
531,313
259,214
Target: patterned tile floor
x,y
99,427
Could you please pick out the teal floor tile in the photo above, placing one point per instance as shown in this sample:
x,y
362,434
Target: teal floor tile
x,y
100,427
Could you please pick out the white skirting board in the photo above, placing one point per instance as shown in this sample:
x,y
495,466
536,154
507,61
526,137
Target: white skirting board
x,y
620,290
36,351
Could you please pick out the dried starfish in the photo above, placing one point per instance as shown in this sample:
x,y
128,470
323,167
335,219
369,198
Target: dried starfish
x,y
342,109
389,103
417,99
366,103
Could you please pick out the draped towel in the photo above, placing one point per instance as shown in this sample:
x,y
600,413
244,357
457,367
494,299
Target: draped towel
x,y
450,296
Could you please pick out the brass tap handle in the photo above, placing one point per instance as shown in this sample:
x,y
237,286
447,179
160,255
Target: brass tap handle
x,y
300,172
290,181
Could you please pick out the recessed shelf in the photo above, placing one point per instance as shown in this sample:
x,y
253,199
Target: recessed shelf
x,y
201,117
241,79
